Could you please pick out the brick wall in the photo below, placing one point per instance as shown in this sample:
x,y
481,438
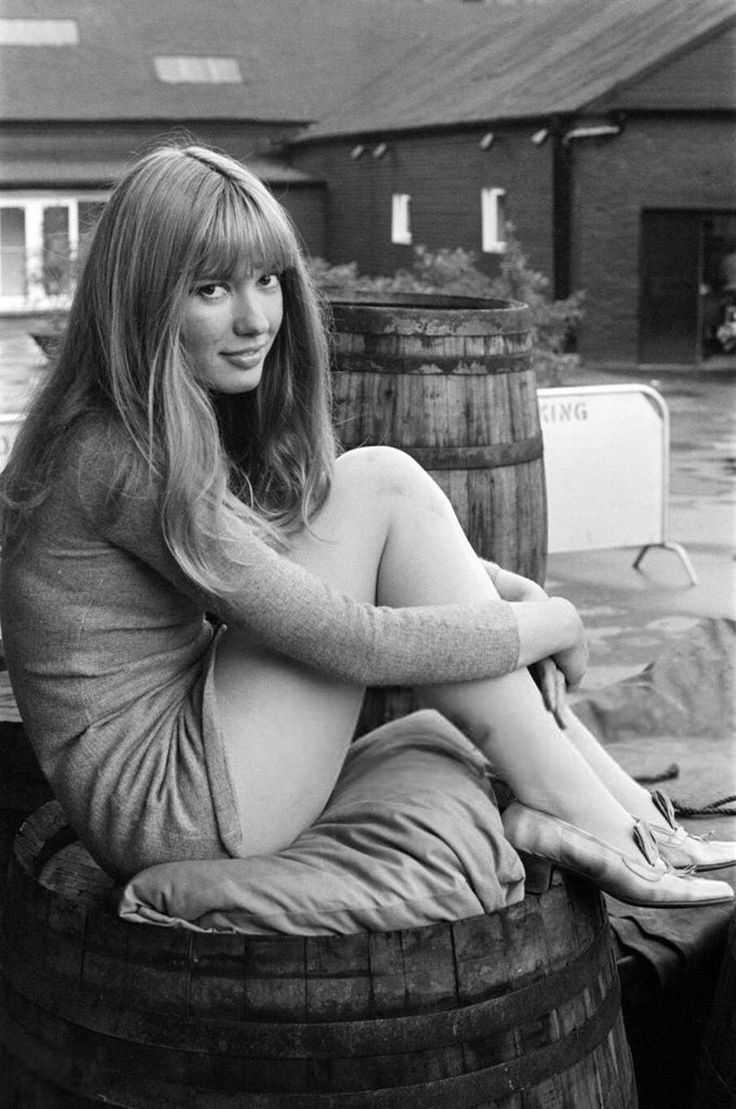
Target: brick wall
x,y
306,205
685,163
444,174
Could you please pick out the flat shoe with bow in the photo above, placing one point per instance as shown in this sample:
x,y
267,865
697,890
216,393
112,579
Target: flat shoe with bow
x,y
681,848
639,878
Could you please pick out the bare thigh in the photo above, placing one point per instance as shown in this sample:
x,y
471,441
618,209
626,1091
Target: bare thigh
x,y
287,727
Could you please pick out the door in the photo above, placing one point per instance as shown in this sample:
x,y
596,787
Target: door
x,y
669,287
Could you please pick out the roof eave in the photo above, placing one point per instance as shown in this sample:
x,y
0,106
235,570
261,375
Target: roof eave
x,y
411,130
169,120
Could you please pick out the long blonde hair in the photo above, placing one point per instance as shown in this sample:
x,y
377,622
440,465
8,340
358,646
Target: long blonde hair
x,y
182,214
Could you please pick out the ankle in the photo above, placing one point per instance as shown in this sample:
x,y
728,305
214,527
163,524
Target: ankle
x,y
611,824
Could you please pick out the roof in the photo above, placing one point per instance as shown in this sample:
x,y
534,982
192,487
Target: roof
x,y
527,61
350,66
298,58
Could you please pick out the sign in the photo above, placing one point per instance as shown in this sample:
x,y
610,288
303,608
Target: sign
x,y
606,457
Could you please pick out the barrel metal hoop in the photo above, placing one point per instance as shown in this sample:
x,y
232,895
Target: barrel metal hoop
x,y
461,1091
399,365
275,1039
492,456
55,843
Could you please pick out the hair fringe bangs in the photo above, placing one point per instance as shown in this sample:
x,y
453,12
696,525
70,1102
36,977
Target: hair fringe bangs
x,y
242,236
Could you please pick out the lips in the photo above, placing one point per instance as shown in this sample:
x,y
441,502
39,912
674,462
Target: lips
x,y
245,357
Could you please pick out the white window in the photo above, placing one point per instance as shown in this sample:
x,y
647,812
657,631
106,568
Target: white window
x,y
40,237
493,220
197,69
39,32
401,218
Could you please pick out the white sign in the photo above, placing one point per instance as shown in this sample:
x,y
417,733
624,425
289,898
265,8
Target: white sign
x,y
606,454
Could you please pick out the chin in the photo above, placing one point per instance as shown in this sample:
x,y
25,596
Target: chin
x,y
236,388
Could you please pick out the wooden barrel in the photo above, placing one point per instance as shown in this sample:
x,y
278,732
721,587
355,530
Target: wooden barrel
x,y
715,1086
520,1008
23,787
450,381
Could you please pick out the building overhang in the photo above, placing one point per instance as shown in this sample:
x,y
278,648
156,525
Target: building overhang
x,y
55,173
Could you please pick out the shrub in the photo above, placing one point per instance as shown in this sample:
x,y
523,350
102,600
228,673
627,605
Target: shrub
x,y
454,272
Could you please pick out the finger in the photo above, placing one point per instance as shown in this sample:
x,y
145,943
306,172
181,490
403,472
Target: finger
x,y
538,673
560,698
547,683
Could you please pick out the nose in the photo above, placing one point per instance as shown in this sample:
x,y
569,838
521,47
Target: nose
x,y
249,317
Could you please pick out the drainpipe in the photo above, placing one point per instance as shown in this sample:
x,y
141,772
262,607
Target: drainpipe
x,y
563,135
561,211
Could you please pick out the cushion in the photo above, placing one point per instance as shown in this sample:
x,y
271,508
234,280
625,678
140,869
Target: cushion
x,y
411,836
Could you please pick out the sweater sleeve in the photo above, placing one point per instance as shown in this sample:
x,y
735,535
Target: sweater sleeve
x,y
300,615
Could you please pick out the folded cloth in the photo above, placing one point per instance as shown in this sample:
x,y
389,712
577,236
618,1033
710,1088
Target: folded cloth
x,y
411,836
669,942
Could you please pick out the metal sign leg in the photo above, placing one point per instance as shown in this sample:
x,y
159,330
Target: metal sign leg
x,y
678,549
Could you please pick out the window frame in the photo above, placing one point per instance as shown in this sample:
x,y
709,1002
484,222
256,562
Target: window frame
x,y
401,234
197,69
493,220
38,31
34,202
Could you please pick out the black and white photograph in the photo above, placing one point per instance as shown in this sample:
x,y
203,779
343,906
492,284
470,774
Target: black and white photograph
x,y
368,554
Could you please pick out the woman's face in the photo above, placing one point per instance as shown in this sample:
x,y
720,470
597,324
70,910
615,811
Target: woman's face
x,y
228,328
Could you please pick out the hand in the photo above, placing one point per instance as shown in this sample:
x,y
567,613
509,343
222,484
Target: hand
x,y
573,662
551,683
529,590
515,587
552,629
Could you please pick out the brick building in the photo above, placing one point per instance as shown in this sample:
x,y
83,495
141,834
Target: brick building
x,y
604,129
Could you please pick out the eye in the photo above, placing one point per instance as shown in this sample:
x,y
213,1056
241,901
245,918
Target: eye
x,y
269,280
212,290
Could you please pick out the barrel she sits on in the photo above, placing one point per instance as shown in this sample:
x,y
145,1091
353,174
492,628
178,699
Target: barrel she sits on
x,y
179,462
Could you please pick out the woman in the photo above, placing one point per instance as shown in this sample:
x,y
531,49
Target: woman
x,y
180,462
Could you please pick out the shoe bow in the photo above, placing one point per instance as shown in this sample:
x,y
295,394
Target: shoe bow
x,y
663,803
645,841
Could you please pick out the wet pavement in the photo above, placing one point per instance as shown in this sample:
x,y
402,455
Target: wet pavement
x,y
21,364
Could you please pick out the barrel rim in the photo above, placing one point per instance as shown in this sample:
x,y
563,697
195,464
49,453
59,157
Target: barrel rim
x,y
422,301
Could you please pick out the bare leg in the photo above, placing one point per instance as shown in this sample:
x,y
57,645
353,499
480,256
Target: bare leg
x,y
634,798
387,533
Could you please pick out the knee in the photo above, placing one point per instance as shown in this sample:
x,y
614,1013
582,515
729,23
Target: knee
x,y
391,473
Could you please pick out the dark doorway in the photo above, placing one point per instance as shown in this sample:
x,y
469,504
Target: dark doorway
x,y
718,288
670,264
684,297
